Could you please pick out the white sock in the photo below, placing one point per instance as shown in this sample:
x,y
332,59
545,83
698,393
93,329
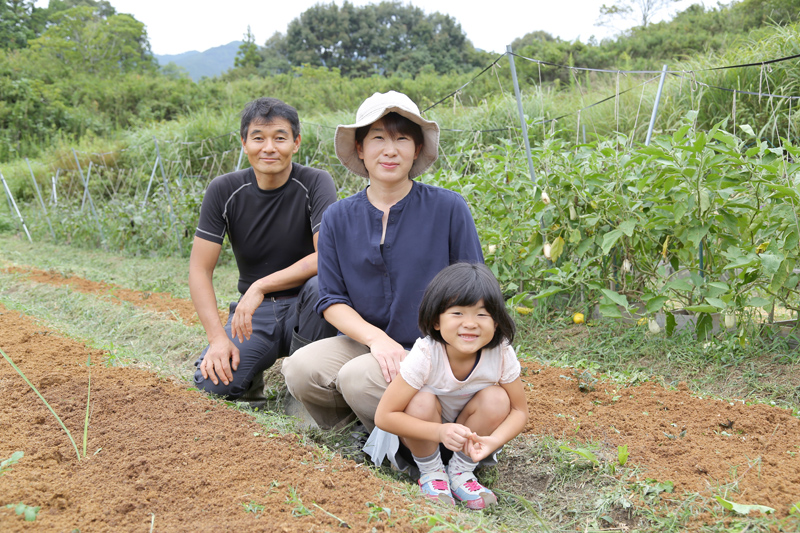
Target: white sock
x,y
460,463
431,463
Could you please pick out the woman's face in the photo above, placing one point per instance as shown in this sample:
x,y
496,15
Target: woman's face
x,y
388,160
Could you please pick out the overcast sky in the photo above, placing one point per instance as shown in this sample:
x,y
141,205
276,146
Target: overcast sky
x,y
176,26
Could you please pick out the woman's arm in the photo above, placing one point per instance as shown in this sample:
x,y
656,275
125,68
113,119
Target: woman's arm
x,y
384,349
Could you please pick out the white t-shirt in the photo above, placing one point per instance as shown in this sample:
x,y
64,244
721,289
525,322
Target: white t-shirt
x,y
427,368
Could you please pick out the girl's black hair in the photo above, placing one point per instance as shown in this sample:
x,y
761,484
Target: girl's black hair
x,y
465,284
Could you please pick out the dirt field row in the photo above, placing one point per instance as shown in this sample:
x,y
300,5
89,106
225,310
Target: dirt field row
x,y
159,454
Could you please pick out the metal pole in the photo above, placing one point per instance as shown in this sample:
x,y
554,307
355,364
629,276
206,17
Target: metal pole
x,y
91,203
239,163
13,203
41,200
149,183
55,179
655,105
86,185
522,121
169,197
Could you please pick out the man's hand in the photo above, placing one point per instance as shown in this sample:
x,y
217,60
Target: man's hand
x,y
479,448
454,436
242,323
221,358
388,354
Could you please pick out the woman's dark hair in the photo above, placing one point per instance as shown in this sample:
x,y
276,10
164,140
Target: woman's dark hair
x,y
264,110
465,284
395,125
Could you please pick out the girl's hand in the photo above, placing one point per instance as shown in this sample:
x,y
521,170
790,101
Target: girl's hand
x,y
454,436
479,448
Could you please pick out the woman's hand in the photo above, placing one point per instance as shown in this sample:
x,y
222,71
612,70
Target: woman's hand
x,y
455,436
389,354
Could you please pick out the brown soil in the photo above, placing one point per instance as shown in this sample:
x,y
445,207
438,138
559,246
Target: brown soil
x,y
175,308
159,452
160,455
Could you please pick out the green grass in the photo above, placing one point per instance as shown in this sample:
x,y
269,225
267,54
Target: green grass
x,y
541,484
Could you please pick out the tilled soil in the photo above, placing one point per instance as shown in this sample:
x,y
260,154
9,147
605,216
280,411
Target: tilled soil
x,y
161,457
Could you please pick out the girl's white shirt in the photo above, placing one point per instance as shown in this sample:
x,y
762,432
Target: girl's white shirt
x,y
427,368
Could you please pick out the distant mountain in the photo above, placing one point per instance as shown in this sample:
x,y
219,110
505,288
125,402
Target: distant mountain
x,y
210,63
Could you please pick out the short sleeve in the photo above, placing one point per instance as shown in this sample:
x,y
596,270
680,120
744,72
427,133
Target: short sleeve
x,y
511,366
322,195
211,225
416,367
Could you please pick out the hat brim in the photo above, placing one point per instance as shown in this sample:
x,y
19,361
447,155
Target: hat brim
x,y
344,141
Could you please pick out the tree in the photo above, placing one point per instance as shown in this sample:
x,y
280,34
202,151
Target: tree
x,y
640,12
274,56
15,28
81,40
247,55
383,38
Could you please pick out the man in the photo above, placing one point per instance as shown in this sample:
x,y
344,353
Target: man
x,y
271,213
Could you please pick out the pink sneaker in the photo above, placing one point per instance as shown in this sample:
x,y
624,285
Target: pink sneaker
x,y
466,489
436,486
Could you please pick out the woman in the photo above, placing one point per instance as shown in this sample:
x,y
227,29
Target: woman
x,y
377,252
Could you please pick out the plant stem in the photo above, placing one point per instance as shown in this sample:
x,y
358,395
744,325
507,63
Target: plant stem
x,y
88,397
15,367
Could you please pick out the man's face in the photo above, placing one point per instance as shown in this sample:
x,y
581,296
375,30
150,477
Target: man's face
x,y
269,148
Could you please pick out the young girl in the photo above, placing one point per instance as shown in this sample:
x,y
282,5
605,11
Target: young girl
x,y
458,386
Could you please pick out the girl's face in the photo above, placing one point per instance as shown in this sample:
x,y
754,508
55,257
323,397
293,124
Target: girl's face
x,y
388,160
466,329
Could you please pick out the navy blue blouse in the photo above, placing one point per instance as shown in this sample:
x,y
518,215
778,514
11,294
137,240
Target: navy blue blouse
x,y
427,230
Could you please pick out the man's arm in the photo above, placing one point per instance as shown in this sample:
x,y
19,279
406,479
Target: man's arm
x,y
221,354
292,276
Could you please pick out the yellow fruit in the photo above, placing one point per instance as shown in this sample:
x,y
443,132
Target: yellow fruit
x,y
523,310
578,318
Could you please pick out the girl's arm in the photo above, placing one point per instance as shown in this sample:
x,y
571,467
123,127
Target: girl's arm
x,y
390,416
480,447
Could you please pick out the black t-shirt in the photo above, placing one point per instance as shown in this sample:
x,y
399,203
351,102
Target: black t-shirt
x,y
268,230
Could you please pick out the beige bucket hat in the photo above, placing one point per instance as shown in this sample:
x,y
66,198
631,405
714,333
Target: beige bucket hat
x,y
375,107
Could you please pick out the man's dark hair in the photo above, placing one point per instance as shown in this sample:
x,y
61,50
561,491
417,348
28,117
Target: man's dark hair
x,y
264,111
465,284
395,125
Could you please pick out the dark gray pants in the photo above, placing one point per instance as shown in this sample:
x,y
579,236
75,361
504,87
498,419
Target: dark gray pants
x,y
275,324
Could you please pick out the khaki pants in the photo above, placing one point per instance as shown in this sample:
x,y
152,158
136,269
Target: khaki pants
x,y
335,379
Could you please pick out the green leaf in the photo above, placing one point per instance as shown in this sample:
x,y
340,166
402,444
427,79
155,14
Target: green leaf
x,y
680,284
770,263
704,327
610,239
548,292
656,303
743,509
30,513
702,308
747,129
622,454
556,249
616,297
757,301
671,323
627,227
717,303
584,246
610,311
583,452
